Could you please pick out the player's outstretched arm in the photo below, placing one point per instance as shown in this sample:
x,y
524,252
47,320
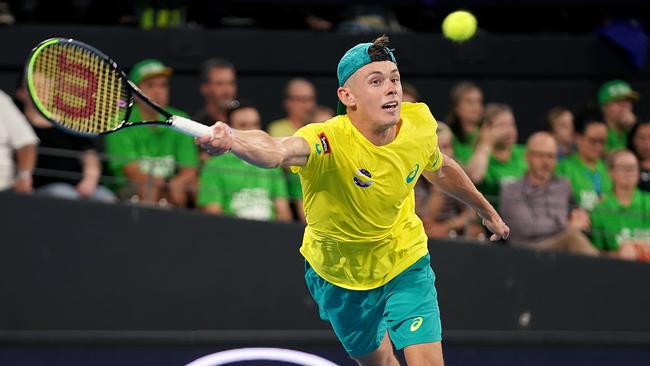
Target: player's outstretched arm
x,y
452,179
256,146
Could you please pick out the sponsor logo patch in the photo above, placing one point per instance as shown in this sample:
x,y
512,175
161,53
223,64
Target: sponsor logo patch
x,y
325,143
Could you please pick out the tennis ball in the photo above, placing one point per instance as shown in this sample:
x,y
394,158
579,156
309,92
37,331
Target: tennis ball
x,y
459,26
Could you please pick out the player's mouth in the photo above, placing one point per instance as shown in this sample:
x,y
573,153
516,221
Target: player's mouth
x,y
390,106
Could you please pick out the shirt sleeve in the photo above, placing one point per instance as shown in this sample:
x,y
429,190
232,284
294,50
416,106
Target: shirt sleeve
x,y
320,150
435,160
19,131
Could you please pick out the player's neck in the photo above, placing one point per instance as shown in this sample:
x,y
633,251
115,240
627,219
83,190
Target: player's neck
x,y
377,136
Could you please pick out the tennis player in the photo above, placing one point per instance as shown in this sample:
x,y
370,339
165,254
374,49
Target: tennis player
x,y
367,263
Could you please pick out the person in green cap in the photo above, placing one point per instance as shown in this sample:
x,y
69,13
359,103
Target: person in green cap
x,y
367,262
620,224
615,98
157,162
585,169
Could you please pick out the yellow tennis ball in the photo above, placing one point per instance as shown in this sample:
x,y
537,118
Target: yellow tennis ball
x,y
459,26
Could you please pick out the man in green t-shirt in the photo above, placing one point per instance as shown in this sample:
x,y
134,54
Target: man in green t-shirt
x,y
620,224
498,159
157,162
234,187
584,169
615,98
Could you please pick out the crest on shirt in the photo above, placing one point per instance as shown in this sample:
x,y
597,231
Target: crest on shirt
x,y
324,142
362,178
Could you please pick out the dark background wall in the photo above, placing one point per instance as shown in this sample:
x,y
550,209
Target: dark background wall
x,y
532,73
91,267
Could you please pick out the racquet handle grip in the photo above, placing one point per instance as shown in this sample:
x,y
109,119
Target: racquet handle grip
x,y
189,127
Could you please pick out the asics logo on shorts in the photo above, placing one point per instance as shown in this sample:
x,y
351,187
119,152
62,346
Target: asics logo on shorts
x,y
416,323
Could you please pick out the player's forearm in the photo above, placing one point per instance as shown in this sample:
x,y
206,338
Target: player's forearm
x,y
258,148
452,180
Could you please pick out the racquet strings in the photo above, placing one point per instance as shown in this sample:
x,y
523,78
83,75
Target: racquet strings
x,y
76,88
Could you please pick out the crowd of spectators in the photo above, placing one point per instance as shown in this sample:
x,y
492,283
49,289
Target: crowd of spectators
x,y
581,186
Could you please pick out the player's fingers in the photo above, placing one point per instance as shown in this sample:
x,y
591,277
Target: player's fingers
x,y
494,237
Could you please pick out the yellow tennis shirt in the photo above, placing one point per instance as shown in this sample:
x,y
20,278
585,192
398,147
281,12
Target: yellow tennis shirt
x,y
362,229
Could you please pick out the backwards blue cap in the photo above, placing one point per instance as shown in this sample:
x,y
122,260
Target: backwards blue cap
x,y
356,58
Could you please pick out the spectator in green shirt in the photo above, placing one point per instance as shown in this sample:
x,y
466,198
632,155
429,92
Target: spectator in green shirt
x,y
585,169
559,121
158,162
231,186
615,98
621,222
498,159
464,117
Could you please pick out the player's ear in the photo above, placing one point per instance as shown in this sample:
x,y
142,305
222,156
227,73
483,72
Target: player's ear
x,y
346,97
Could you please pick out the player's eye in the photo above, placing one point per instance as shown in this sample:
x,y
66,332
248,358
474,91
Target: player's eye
x,y
375,81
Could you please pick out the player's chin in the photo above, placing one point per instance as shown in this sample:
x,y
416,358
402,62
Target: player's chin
x,y
390,117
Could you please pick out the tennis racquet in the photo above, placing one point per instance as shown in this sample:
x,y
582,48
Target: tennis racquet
x,y
84,92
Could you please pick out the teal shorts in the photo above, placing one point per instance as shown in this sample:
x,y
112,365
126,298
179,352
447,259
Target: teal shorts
x,y
406,307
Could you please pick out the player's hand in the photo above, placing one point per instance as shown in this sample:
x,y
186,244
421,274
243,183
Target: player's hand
x,y
220,141
495,224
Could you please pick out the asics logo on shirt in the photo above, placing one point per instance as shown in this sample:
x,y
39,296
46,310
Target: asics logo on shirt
x,y
362,178
416,323
413,173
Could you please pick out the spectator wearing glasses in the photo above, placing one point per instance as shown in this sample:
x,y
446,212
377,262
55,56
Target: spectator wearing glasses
x,y
539,206
585,169
621,222
299,103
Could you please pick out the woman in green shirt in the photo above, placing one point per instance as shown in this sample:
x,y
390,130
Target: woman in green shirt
x,y
620,223
464,117
498,159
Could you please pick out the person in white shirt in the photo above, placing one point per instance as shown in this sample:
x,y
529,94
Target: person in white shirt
x,y
16,137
